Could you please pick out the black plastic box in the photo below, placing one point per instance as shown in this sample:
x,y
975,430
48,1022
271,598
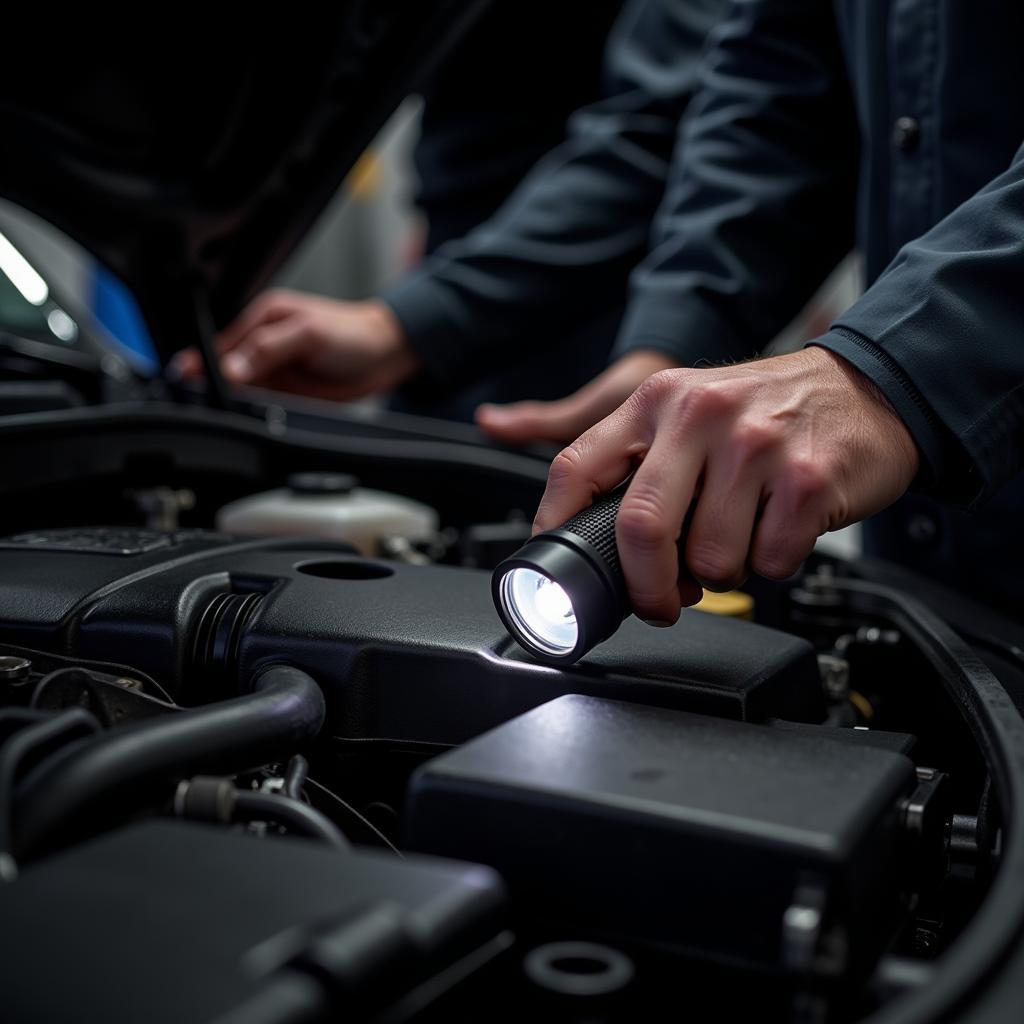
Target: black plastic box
x,y
174,923
660,825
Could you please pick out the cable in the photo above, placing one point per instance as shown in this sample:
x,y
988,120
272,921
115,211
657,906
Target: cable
x,y
294,814
295,774
116,774
22,743
353,813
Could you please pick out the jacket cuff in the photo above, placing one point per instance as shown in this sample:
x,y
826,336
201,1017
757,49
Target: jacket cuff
x,y
946,469
688,331
431,323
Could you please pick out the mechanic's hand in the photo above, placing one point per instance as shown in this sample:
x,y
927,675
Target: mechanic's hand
x,y
567,418
305,344
771,453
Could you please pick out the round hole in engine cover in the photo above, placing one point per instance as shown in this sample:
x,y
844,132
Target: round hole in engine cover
x,y
345,569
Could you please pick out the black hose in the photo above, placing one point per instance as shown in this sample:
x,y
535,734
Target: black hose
x,y
295,775
132,767
33,736
294,814
13,719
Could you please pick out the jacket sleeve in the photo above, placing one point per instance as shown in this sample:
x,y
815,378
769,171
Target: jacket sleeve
x,y
760,204
562,246
941,333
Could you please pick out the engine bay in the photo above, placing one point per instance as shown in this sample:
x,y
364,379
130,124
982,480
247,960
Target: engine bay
x,y
267,753
313,778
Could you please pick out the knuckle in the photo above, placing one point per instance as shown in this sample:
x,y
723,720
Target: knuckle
x,y
263,306
565,465
808,480
641,524
657,387
709,399
710,562
260,343
713,398
775,567
753,439
654,597
778,560
772,569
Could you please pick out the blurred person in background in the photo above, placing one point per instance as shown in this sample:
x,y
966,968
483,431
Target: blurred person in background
x,y
533,225
816,126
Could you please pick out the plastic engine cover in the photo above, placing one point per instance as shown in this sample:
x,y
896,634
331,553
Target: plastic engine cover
x,y
403,652
674,828
175,923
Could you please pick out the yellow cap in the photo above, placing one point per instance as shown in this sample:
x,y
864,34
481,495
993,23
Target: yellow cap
x,y
734,604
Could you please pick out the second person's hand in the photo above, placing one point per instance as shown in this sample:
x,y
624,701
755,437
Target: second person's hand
x,y
305,344
567,418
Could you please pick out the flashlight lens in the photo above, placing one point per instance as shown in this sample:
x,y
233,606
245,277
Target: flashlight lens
x,y
541,611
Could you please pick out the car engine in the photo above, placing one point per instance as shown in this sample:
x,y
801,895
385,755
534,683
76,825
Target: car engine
x,y
287,778
267,752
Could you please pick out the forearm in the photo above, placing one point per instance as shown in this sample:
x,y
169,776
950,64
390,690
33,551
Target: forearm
x,y
560,250
941,333
760,206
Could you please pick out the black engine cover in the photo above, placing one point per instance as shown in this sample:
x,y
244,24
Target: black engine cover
x,y
736,841
188,924
402,652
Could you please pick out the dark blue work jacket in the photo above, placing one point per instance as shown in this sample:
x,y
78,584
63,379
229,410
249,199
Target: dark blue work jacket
x,y
810,127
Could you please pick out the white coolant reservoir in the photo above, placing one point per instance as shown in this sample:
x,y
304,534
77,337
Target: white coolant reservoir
x,y
331,506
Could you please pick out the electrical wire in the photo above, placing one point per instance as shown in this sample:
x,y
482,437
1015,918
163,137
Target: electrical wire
x,y
349,810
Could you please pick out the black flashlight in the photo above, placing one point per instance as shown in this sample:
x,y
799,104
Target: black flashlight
x,y
563,591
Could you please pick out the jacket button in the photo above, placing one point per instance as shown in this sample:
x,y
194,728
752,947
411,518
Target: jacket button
x,y
906,133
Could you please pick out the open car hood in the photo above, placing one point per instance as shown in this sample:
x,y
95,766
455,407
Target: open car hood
x,y
191,157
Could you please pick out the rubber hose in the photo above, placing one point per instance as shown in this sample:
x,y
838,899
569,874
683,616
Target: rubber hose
x,y
295,815
123,771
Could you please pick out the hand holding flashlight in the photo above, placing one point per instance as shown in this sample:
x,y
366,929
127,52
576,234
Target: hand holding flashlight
x,y
772,454
759,459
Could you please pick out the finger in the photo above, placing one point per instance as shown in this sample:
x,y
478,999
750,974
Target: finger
x,y
797,512
265,308
265,351
593,464
566,418
649,523
187,364
521,422
720,534
690,591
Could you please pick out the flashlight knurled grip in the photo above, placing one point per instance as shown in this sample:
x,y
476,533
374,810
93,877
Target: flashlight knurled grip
x,y
596,525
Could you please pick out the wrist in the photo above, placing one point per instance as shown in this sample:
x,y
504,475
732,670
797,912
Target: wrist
x,y
868,394
397,357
